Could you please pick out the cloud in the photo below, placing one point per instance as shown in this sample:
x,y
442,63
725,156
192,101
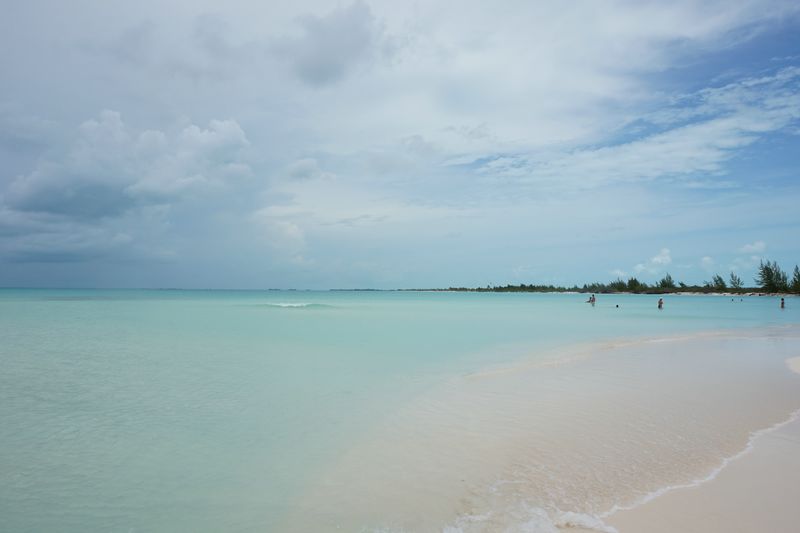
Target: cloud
x,y
113,184
200,48
707,263
285,239
753,248
745,263
656,264
663,258
578,126
722,121
39,237
67,245
330,46
307,169
109,168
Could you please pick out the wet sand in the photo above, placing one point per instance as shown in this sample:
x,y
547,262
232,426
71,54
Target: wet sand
x,y
757,491
554,444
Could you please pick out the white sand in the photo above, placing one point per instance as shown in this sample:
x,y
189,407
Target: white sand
x,y
557,441
756,492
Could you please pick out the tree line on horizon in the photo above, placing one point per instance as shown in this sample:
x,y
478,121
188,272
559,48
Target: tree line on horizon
x,y
769,279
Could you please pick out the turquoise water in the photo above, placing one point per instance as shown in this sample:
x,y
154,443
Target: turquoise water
x,y
211,410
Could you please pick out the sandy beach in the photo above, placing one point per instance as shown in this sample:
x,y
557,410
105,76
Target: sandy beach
x,y
756,491
581,442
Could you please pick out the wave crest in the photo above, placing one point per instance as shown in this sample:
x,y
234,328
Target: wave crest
x,y
296,305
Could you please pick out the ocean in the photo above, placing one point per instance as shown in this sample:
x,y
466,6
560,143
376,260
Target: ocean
x,y
172,410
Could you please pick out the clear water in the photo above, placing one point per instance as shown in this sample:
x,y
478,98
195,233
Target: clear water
x,y
213,410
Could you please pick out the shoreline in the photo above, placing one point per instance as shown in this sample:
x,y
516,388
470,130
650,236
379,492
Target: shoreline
x,y
749,293
723,500
567,442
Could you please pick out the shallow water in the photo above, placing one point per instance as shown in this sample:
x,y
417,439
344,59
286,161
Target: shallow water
x,y
239,410
537,445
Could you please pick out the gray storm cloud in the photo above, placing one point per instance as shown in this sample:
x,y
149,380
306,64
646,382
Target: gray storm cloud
x,y
330,46
109,169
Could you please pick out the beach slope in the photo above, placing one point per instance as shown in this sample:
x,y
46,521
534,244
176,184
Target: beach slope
x,y
757,491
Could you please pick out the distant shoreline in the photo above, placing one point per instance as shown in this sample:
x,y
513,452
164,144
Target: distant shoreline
x,y
689,292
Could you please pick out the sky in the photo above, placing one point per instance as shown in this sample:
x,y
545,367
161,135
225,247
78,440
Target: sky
x,y
377,144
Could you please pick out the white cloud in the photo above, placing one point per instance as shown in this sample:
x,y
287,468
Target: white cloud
x,y
753,248
745,264
656,264
707,263
109,168
663,258
726,119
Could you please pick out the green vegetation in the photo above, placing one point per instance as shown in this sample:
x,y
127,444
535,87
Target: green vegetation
x,y
795,286
770,279
666,282
717,283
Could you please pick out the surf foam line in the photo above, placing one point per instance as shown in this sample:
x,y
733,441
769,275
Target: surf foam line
x,y
754,436
294,305
540,521
532,520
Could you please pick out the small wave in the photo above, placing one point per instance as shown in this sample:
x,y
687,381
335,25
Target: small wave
x,y
754,436
583,521
82,298
296,305
528,520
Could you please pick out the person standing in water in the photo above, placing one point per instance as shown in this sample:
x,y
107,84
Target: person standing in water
x,y
783,304
661,303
